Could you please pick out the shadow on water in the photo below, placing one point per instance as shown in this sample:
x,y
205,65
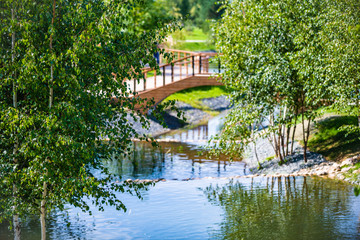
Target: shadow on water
x,y
286,208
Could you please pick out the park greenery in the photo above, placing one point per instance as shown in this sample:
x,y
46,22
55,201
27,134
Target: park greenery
x,y
193,96
283,60
197,13
55,101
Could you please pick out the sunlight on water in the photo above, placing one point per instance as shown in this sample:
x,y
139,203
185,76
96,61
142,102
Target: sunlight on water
x,y
200,200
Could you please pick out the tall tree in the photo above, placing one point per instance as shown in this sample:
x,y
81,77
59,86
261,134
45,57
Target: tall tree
x,y
271,52
342,37
61,64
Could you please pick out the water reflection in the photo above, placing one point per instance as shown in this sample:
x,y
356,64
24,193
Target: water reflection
x,y
286,208
258,208
173,160
199,134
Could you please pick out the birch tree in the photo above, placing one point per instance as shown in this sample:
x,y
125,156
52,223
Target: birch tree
x,y
61,63
272,51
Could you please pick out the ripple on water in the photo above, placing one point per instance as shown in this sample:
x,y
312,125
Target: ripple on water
x,y
259,208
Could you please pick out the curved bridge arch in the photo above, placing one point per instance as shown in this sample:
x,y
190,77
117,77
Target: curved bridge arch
x,y
188,70
160,93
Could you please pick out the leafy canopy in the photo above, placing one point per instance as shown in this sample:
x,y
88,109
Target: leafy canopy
x,y
76,55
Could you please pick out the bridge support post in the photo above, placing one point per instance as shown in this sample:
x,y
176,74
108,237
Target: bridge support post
x,y
219,65
145,81
163,75
172,72
199,63
193,65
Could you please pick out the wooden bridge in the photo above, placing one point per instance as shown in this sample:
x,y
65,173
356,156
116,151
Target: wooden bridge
x,y
187,70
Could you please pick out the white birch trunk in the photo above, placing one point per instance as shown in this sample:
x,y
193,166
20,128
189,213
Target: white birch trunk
x,y
51,100
16,221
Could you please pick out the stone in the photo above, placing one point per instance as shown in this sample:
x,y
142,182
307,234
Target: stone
x,y
340,176
332,175
350,161
337,168
345,169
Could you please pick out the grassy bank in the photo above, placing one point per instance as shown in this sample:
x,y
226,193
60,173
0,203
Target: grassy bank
x,y
335,144
193,96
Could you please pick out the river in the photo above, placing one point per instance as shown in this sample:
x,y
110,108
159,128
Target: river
x,y
200,199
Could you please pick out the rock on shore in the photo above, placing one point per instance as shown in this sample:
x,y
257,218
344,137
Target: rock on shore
x,y
316,165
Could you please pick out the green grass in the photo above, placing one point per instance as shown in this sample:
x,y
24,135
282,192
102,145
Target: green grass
x,y
195,34
269,158
193,96
196,46
334,144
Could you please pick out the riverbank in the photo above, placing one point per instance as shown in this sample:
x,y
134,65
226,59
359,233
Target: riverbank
x,y
346,170
341,161
193,116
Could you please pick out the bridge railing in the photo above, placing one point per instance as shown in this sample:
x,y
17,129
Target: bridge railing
x,y
184,64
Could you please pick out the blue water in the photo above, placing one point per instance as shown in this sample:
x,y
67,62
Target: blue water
x,y
211,205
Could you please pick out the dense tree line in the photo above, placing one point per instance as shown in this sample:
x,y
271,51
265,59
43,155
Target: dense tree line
x,y
197,12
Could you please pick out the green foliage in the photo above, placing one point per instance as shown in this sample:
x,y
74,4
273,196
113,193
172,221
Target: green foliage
x,y
278,61
270,158
199,12
151,14
59,69
332,140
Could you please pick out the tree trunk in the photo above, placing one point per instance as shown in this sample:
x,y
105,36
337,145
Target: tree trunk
x,y
358,107
255,151
308,130
51,95
17,227
279,143
279,139
51,100
283,127
43,212
293,135
287,139
275,142
16,221
304,134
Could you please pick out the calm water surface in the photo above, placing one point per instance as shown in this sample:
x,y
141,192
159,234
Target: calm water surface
x,y
212,205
